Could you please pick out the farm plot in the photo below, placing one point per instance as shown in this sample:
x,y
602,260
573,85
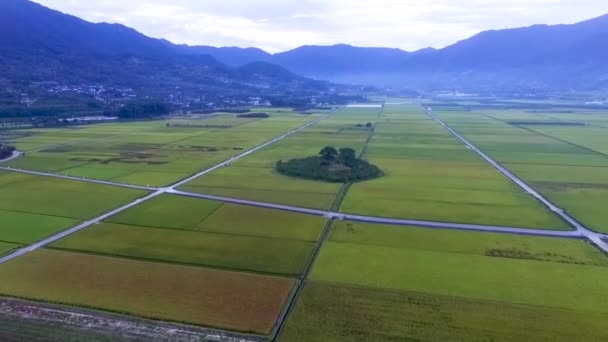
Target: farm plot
x,y
198,232
7,247
152,153
255,178
430,175
206,297
32,207
374,282
563,162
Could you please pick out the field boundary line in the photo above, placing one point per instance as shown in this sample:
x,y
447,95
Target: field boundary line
x,y
386,220
151,260
18,154
587,233
42,149
341,194
301,282
78,179
281,322
549,136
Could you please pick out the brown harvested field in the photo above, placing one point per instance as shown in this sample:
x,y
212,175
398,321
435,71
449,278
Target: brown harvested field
x,y
212,298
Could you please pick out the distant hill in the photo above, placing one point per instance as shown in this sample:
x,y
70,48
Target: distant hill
x,y
537,57
232,56
561,57
38,44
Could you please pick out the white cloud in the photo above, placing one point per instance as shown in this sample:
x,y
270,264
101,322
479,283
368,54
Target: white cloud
x,y
277,25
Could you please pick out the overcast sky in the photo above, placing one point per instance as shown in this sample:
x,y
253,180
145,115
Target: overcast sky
x,y
278,25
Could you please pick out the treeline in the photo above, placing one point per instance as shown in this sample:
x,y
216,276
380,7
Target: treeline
x,y
48,106
254,115
222,110
6,151
305,102
143,110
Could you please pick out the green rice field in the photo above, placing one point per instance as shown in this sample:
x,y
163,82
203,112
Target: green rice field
x,y
218,235
375,282
154,153
430,175
562,155
32,207
340,130
258,272
229,300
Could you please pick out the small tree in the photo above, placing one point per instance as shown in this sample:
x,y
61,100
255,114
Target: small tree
x,y
328,154
347,156
369,125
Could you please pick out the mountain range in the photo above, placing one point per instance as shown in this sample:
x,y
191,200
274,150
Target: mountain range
x,y
557,57
38,44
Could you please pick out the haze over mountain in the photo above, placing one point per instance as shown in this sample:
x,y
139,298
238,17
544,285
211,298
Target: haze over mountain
x,y
557,57
39,44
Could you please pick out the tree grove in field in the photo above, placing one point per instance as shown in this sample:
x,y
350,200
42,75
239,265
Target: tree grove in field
x,y
331,165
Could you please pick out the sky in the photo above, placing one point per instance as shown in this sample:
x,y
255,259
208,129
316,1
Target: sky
x,y
279,25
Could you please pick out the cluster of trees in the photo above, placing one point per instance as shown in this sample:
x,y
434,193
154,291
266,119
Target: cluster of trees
x,y
254,115
143,109
331,165
6,151
223,110
196,126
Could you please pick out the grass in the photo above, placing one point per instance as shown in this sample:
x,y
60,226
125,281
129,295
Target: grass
x,y
147,153
567,164
213,298
270,186
245,253
32,207
56,197
252,221
6,247
193,231
185,213
582,287
27,228
477,243
168,211
430,175
376,282
340,312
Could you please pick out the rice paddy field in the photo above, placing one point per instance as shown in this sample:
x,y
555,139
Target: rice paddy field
x,y
430,175
224,264
378,283
32,207
562,155
341,130
223,299
211,234
256,272
153,153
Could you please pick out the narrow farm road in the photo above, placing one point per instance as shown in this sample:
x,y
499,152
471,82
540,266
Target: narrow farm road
x,y
594,237
157,192
80,179
15,155
384,220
